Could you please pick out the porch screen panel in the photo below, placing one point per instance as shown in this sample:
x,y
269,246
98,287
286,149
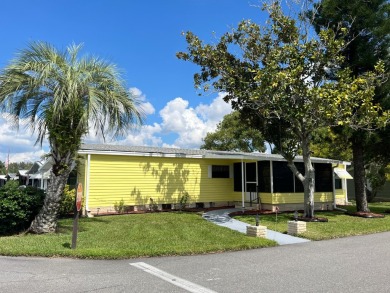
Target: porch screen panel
x,y
323,177
283,177
264,174
250,172
237,177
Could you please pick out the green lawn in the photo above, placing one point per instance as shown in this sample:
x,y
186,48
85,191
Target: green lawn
x,y
137,235
338,225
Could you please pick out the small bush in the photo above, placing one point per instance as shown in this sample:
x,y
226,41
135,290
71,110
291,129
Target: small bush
x,y
183,201
68,201
18,207
120,207
153,206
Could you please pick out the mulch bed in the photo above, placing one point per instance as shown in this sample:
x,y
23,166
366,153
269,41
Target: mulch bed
x,y
251,213
366,215
268,212
315,219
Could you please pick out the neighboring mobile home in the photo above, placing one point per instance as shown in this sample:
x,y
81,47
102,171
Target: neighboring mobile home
x,y
141,176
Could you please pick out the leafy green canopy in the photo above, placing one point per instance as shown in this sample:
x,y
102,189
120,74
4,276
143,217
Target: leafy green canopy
x,y
367,41
232,134
280,75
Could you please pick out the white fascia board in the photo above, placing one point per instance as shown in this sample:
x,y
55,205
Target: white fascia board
x,y
137,154
257,157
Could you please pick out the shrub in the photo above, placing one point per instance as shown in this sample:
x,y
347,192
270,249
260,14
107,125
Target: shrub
x,y
153,206
18,207
183,201
68,201
120,207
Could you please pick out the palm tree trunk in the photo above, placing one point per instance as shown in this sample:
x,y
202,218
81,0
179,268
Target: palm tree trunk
x,y
46,220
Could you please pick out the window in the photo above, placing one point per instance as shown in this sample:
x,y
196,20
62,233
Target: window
x,y
220,171
323,177
338,184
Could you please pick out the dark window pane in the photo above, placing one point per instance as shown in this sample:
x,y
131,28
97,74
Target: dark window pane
x,y
264,176
323,177
337,184
283,177
220,171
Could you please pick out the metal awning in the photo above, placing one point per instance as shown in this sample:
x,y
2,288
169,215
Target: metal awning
x,y
342,173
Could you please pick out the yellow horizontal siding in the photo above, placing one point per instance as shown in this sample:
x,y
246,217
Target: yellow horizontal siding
x,y
266,198
340,194
137,179
289,198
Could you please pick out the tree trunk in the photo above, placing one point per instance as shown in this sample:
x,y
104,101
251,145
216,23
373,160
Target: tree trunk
x,y
308,183
359,175
46,220
307,180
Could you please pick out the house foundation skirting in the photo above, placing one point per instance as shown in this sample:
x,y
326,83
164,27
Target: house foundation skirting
x,y
323,206
104,210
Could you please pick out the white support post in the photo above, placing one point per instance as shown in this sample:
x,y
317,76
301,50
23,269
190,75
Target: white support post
x,y
243,183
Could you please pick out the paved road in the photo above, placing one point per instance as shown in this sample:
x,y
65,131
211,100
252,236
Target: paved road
x,y
356,264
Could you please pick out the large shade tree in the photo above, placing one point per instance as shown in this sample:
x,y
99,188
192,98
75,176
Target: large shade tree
x,y
64,96
279,74
367,41
233,134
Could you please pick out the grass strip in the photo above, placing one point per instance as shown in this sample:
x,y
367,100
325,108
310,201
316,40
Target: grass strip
x,y
339,224
130,236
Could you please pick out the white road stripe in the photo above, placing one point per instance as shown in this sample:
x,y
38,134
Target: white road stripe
x,y
190,287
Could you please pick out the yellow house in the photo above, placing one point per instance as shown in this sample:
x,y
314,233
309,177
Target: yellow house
x,y
140,177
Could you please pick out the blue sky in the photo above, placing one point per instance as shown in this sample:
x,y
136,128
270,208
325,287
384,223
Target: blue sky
x,y
142,38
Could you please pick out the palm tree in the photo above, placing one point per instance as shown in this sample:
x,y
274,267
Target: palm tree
x,y
63,96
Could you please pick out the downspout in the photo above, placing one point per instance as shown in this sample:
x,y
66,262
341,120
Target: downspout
x,y
87,210
271,170
242,183
334,191
345,189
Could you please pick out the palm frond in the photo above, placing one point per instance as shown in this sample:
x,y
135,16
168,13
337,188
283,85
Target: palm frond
x,y
57,90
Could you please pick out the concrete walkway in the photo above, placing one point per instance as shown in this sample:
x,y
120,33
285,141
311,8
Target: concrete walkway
x,y
221,218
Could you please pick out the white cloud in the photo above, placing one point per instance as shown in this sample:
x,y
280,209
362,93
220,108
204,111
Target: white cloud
x,y
146,135
20,144
191,125
144,106
182,126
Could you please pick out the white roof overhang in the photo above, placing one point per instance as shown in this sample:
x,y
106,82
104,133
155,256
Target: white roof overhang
x,y
342,173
